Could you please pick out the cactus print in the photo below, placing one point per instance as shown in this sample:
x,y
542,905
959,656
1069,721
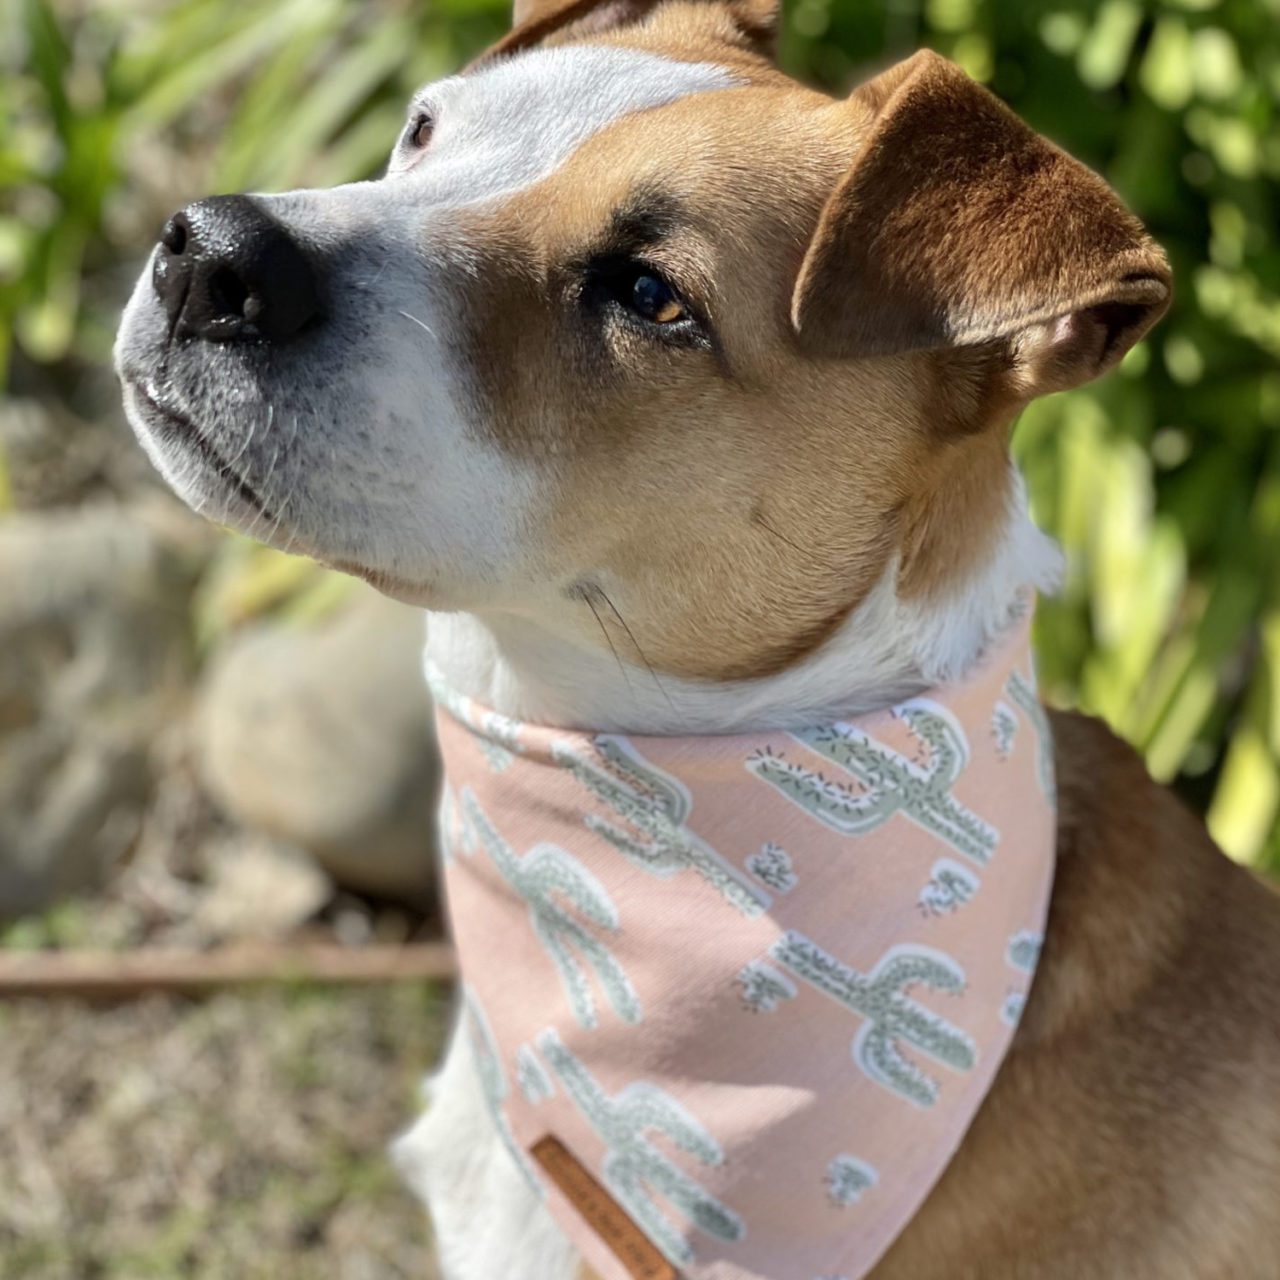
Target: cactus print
x,y
497,735
634,1168
550,881
1024,950
887,783
493,1084
1022,953
950,887
716,968
532,1076
1023,693
653,808
1004,728
847,1178
892,1017
772,867
764,988
1011,1010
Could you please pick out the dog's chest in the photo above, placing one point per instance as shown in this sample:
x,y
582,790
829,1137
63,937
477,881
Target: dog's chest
x,y
735,1000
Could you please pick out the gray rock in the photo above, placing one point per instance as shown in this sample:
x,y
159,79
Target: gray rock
x,y
93,629
257,888
320,734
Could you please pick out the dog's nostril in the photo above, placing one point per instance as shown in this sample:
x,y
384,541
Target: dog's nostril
x,y
174,235
228,292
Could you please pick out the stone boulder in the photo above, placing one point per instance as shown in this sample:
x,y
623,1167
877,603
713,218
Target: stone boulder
x,y
96,655
320,734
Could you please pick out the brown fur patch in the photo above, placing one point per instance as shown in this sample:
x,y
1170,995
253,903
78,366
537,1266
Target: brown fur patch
x,y
957,224
731,499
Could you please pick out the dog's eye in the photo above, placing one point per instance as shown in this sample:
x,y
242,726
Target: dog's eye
x,y
421,127
634,292
655,300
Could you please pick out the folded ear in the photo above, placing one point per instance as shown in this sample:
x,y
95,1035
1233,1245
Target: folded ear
x,y
534,21
958,225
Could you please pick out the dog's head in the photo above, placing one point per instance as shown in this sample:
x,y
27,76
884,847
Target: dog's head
x,y
636,325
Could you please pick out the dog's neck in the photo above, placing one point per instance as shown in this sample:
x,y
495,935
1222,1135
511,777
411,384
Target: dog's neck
x,y
888,649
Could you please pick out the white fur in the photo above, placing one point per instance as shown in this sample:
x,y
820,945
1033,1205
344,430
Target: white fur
x,y
509,126
488,1224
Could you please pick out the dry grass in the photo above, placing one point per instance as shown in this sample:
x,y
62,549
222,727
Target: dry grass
x,y
243,1137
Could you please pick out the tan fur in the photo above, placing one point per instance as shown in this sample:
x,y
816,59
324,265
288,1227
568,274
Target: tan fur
x,y
799,479
890,280
796,479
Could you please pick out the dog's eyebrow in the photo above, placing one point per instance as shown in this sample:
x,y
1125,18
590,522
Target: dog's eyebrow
x,y
646,218
428,97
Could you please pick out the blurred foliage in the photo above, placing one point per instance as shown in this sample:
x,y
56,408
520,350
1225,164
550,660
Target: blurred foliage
x,y
1163,482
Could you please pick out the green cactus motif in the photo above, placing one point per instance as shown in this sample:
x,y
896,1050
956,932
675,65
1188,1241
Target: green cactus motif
x,y
446,824
493,1083
763,987
544,876
773,867
498,735
1023,694
454,831
1011,1010
847,1178
1023,954
888,782
653,808
635,1169
1023,951
950,887
532,1076
891,1015
1004,728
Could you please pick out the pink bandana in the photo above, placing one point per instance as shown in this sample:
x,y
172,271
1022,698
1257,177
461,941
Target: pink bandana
x,y
735,1000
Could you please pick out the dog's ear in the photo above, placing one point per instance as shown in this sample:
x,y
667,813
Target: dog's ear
x,y
958,225
533,21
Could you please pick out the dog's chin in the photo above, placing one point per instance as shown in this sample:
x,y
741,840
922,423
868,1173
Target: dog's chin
x,y
210,485
419,594
195,468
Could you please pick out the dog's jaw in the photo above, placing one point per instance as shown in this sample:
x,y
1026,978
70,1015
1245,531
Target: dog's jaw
x,y
886,650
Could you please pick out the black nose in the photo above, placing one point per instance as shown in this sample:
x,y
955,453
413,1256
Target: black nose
x,y
226,270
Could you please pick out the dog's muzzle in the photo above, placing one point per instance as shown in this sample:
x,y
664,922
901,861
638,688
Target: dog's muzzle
x,y
226,271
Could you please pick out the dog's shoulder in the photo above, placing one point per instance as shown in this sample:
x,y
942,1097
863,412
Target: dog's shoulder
x,y
1144,898
1140,1091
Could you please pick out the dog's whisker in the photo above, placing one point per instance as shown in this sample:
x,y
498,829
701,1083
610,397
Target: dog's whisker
x,y
373,280
622,622
248,439
759,519
263,487
280,509
420,323
585,596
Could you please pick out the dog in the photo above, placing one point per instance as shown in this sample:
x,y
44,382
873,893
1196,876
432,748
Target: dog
x,y
679,395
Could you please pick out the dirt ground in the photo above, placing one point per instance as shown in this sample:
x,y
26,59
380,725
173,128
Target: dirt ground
x,y
241,1137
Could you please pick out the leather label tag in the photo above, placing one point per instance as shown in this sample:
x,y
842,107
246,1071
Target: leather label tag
x,y
602,1213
